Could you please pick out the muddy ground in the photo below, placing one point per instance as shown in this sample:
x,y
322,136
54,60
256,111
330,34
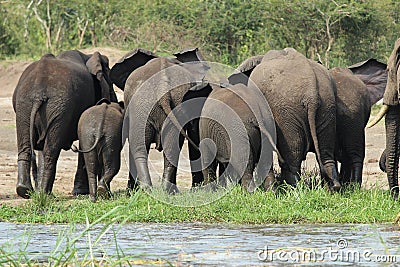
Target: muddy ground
x,y
10,72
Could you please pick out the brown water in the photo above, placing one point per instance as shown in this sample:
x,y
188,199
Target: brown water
x,y
214,244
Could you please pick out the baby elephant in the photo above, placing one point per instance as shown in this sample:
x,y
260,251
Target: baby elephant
x,y
237,132
100,139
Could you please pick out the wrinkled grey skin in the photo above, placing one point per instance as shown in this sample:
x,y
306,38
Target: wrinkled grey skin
x,y
358,87
100,141
392,121
146,80
353,110
231,124
48,100
301,94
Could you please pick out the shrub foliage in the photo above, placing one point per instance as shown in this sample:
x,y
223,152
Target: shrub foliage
x,y
336,32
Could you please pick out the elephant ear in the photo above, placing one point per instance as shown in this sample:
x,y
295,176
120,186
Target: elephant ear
x,y
374,75
189,55
127,64
194,62
94,65
98,66
391,96
244,70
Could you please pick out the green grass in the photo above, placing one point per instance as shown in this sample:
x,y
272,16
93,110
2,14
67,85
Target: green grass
x,y
10,126
300,205
375,109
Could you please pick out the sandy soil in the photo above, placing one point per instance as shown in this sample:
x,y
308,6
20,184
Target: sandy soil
x,y
9,74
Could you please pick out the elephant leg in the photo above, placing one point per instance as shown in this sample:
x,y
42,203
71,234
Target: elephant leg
x,y
111,166
34,169
194,154
221,169
291,145
327,164
345,172
51,153
269,182
246,181
352,145
197,174
392,125
170,168
24,184
329,172
144,180
289,177
290,168
209,174
139,155
81,182
132,178
92,168
208,165
247,178
40,168
356,173
229,177
169,177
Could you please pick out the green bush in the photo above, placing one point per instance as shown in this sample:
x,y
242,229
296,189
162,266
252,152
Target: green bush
x,y
337,33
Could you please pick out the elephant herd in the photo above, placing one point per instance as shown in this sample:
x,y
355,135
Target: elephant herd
x,y
278,102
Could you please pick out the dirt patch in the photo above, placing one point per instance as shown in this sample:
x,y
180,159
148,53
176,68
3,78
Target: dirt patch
x,y
9,75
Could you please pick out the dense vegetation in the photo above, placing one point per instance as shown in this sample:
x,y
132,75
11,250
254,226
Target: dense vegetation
x,y
337,32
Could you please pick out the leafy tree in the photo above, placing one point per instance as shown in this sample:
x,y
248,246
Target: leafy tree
x,y
336,32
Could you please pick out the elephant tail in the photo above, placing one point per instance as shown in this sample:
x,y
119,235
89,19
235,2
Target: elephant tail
x,y
312,114
77,150
168,111
272,142
98,134
38,102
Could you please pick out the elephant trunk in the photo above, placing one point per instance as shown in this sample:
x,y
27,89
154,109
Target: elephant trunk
x,y
379,116
392,124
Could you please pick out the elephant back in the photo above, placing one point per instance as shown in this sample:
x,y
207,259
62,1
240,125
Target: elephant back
x,y
352,101
285,76
138,77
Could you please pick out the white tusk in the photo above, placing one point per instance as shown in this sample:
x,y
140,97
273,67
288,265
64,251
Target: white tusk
x,y
378,117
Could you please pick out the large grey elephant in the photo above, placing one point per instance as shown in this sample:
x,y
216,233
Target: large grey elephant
x,y
48,100
301,94
100,141
153,87
391,109
240,125
358,88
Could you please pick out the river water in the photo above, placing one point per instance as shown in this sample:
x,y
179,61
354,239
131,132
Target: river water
x,y
200,244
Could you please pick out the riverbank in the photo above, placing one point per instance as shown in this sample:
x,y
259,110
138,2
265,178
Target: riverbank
x,y
300,205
